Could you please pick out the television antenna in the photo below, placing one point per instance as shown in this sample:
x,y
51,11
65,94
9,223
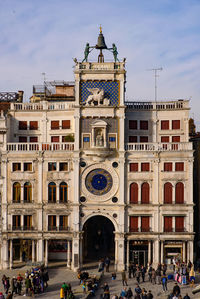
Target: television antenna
x,y
156,70
44,76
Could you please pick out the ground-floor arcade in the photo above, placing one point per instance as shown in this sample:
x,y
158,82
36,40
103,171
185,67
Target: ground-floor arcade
x,y
98,239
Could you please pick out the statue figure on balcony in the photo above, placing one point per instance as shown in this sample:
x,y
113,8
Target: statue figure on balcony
x,y
87,52
115,53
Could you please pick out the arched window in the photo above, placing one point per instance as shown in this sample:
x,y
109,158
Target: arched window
x,y
179,193
27,192
63,192
134,193
168,193
16,192
52,192
145,193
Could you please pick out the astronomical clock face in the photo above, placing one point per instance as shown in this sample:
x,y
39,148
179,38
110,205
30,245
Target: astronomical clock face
x,y
98,181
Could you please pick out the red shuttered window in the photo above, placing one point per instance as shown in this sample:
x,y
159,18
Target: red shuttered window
x,y
145,166
179,166
132,139
134,167
143,138
134,193
54,138
22,139
168,193
145,193
167,224
175,124
33,139
168,166
145,224
164,138
175,138
65,124
164,124
133,124
33,125
179,193
179,223
144,125
133,224
22,125
55,125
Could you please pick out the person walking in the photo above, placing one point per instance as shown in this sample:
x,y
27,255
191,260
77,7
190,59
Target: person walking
x,y
153,276
107,264
143,271
124,278
62,293
149,295
129,294
164,282
137,275
186,296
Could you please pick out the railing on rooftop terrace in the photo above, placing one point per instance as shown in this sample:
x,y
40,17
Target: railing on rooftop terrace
x,y
15,147
168,105
100,66
181,146
41,106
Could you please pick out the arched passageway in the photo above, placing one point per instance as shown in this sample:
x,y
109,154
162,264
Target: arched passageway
x,y
98,239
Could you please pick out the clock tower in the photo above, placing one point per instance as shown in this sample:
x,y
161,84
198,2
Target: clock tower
x,y
99,157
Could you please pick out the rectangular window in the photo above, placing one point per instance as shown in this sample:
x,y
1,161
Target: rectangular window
x,y
27,222
175,138
175,124
145,166
164,138
143,138
132,139
63,166
34,139
52,166
133,124
22,125
164,124
55,138
133,167
28,166
55,125
112,139
23,139
144,125
168,166
63,225
86,139
52,222
133,224
33,125
16,224
179,166
145,224
65,124
179,223
16,167
167,224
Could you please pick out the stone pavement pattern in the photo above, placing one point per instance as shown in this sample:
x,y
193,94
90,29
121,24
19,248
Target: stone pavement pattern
x,y
59,275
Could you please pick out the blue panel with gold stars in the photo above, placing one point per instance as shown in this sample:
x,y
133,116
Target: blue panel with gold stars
x,y
99,181
111,90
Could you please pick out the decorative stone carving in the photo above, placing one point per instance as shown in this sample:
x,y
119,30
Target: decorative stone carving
x,y
97,96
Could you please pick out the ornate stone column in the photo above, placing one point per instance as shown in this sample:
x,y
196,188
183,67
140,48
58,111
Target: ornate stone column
x,y
127,254
149,252
68,254
33,251
46,253
11,254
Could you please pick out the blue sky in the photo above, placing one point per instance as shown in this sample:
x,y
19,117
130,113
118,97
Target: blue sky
x,y
44,35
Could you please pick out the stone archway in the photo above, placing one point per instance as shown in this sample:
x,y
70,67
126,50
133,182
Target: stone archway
x,y
98,239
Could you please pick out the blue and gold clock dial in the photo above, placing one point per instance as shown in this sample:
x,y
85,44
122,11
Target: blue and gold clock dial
x,y
99,181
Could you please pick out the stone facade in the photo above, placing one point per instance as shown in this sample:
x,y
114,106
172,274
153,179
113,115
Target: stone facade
x,y
120,172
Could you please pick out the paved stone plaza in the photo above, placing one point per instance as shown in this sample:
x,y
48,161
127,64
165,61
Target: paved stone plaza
x,y
59,275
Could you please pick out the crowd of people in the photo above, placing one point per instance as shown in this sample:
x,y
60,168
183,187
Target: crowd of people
x,y
34,281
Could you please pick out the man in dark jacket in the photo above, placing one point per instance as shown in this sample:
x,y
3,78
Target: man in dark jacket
x,y
176,289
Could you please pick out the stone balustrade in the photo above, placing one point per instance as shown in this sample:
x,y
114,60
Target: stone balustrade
x,y
16,147
160,147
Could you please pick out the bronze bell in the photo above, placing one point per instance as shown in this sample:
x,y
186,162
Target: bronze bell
x,y
101,42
